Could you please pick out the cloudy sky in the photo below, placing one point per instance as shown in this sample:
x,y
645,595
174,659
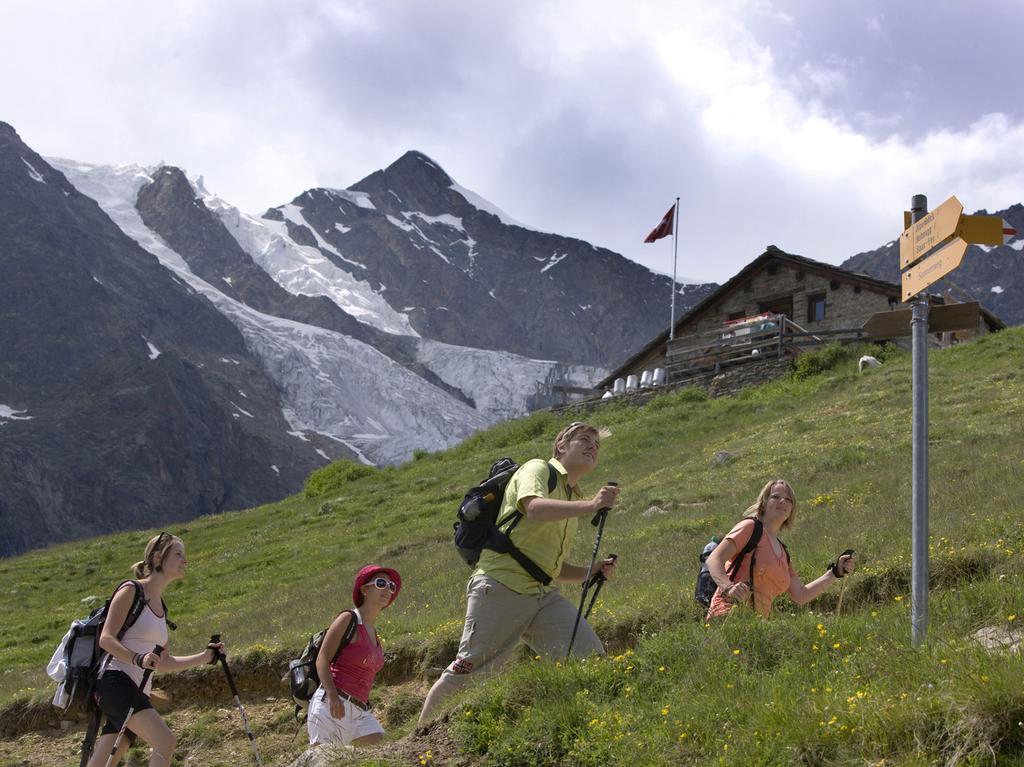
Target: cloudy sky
x,y
806,124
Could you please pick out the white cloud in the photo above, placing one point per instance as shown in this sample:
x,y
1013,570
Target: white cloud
x,y
585,118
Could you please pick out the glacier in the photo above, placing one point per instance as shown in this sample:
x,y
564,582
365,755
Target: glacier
x,y
330,383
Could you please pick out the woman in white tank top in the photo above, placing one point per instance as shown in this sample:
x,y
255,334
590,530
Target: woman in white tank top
x,y
128,657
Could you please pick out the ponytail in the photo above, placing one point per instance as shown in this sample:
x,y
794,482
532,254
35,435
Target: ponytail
x,y
155,549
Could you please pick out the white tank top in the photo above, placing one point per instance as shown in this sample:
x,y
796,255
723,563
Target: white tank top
x,y
147,632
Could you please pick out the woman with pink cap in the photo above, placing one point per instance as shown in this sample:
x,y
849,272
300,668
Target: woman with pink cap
x,y
339,711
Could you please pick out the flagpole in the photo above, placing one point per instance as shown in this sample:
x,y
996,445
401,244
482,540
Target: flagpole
x,y
675,259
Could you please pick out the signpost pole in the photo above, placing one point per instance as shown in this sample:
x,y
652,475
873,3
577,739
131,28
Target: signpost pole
x,y
931,246
919,482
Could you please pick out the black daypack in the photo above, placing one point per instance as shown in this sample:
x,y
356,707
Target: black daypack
x,y
478,526
706,585
302,674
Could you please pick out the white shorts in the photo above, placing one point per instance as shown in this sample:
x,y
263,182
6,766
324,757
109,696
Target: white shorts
x,y
324,728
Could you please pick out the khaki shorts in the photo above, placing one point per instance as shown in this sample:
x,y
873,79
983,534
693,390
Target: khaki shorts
x,y
497,618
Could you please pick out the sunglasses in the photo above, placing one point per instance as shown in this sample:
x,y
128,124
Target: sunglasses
x,y
384,583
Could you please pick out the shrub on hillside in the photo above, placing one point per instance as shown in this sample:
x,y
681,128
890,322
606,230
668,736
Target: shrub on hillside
x,y
513,433
678,397
334,476
818,361
828,358
883,352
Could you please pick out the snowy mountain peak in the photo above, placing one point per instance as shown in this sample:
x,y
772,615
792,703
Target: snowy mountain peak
x,y
415,162
461,271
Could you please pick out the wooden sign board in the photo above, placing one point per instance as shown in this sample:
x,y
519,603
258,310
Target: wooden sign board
x,y
936,227
934,268
985,230
896,324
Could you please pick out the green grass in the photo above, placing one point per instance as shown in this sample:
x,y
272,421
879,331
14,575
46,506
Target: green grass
x,y
807,689
267,578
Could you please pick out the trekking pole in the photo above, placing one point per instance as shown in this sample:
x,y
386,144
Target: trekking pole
x,y
599,580
839,605
842,589
215,639
598,520
131,709
89,742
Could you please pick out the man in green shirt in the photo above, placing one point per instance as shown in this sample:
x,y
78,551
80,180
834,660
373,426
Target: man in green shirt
x,y
505,603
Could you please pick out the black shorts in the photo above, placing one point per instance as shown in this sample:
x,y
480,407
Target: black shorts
x,y
115,693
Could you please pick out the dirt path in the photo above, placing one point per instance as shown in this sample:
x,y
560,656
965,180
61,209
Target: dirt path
x,y
214,737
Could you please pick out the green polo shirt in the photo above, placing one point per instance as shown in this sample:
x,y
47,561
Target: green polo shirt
x,y
546,543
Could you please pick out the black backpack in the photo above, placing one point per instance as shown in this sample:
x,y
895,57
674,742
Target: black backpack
x,y
706,585
302,674
478,526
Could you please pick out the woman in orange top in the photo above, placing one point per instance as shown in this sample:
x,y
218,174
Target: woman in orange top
x,y
773,573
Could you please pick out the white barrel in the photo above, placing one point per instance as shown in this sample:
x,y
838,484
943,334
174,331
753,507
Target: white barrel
x,y
631,383
645,379
658,379
619,387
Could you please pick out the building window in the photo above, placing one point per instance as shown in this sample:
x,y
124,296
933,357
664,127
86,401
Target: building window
x,y
834,285
737,315
800,276
816,308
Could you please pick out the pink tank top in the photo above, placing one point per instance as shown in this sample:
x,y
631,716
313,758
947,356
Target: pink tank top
x,y
356,666
773,572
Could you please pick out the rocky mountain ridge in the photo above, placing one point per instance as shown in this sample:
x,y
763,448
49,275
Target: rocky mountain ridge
x,y
494,283
166,355
137,403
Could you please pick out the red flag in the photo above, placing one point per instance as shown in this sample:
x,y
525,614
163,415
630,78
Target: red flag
x,y
664,229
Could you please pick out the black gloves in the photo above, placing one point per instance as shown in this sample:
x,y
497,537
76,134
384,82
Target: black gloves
x,y
834,566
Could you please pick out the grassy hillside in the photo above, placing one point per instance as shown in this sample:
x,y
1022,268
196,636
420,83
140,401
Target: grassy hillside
x,y
808,687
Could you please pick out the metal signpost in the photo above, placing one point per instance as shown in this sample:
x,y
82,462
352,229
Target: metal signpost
x,y
932,246
919,480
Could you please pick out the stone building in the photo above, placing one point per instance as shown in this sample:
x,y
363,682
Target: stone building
x,y
799,303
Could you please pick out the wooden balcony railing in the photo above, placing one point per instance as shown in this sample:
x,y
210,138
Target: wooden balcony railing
x,y
774,338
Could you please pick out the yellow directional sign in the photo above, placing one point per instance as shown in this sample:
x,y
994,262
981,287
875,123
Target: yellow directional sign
x,y
934,268
932,230
985,230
